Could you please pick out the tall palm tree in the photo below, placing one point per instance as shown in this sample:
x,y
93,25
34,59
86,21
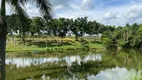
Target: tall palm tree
x,y
17,6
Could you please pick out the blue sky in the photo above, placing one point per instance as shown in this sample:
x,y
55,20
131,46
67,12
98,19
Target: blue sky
x,y
109,12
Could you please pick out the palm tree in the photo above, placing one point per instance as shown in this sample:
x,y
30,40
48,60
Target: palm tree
x,y
44,7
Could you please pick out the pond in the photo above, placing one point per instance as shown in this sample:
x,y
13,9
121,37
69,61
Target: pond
x,y
105,65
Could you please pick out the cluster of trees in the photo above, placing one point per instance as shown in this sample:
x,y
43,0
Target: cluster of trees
x,y
57,27
124,36
128,36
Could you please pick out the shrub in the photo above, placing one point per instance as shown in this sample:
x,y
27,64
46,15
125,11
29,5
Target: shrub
x,y
106,41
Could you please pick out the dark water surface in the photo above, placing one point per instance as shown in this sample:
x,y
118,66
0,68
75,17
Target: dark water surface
x,y
106,65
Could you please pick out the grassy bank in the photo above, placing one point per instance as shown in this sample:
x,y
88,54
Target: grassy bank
x,y
42,44
22,48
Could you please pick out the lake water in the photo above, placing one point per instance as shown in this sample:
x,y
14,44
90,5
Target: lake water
x,y
106,65
27,61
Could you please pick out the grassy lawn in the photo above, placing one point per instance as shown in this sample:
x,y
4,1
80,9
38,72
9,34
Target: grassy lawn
x,y
66,43
21,48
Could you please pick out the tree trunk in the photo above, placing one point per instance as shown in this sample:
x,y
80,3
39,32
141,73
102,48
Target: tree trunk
x,y
3,28
76,36
127,35
46,40
2,56
23,37
124,36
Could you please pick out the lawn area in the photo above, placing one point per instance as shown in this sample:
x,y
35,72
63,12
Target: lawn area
x,y
22,48
42,44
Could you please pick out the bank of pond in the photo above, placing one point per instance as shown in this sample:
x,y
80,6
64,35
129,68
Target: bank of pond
x,y
104,65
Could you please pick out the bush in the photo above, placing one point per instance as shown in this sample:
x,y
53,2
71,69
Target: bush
x,y
121,42
106,41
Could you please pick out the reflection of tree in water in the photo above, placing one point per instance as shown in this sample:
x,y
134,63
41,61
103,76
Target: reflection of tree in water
x,y
129,60
77,71
124,58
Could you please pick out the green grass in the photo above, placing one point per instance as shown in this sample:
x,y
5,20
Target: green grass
x,y
21,48
68,42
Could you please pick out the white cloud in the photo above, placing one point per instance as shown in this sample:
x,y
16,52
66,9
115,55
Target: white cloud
x,y
75,7
114,74
32,10
122,15
87,5
29,8
60,4
110,15
134,12
58,7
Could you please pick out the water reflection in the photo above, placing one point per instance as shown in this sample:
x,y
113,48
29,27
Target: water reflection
x,y
70,59
79,66
93,57
23,62
28,61
115,74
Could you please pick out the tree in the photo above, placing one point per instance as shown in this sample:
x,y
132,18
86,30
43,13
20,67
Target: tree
x,y
45,8
75,29
94,27
136,40
63,27
12,23
82,23
54,27
77,26
24,27
37,26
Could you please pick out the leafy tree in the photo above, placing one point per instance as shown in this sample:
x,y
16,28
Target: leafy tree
x,y
24,28
12,23
63,27
90,28
44,7
75,28
37,26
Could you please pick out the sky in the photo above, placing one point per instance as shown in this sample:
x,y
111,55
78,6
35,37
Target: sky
x,y
108,12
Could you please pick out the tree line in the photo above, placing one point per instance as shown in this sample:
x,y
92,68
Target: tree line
x,y
56,27
125,36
